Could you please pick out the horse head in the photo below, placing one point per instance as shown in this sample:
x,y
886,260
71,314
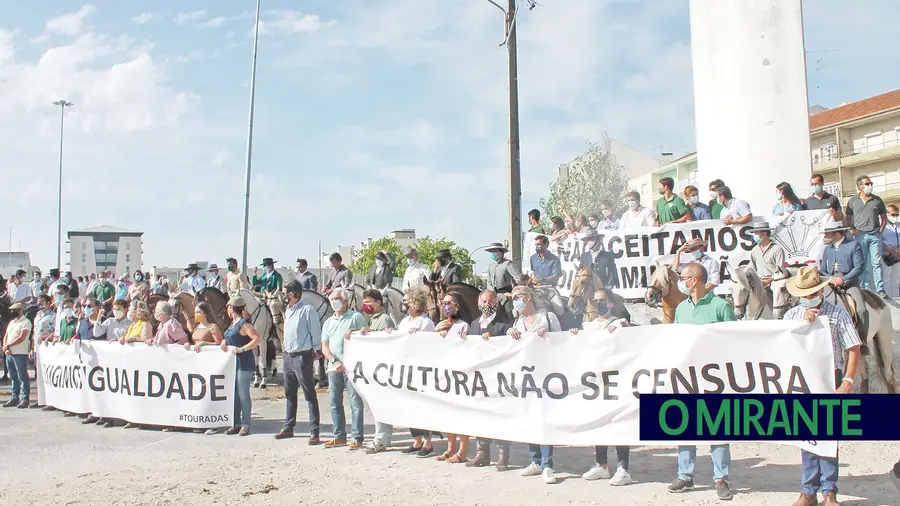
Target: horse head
x,y
740,291
584,284
659,286
781,299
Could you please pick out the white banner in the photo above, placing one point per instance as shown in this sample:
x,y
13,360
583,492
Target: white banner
x,y
637,250
581,390
153,385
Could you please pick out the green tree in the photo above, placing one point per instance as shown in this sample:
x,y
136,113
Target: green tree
x,y
366,257
593,177
428,248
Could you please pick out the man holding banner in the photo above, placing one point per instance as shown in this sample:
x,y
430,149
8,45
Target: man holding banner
x,y
702,307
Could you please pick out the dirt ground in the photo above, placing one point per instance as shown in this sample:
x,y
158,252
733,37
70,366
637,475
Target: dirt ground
x,y
50,460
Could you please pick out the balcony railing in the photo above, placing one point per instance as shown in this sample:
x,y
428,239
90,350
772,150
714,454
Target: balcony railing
x,y
885,191
827,156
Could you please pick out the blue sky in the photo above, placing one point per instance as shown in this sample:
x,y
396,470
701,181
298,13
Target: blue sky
x,y
371,116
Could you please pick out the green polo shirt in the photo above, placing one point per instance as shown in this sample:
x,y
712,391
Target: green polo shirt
x,y
671,210
103,291
715,209
67,330
709,309
537,230
381,321
271,282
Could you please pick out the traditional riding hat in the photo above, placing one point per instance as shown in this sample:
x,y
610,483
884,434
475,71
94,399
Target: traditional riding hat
x,y
807,281
192,267
762,226
381,255
589,233
411,252
212,267
54,273
267,261
835,226
694,244
444,253
16,306
496,246
231,260
237,301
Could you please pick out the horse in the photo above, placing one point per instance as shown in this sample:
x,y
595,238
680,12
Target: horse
x,y
749,295
393,304
217,302
465,293
183,310
584,284
662,291
355,297
260,317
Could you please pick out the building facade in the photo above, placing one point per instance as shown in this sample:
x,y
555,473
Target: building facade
x,y
105,248
12,261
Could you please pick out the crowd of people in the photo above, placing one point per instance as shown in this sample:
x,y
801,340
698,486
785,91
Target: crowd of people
x,y
99,307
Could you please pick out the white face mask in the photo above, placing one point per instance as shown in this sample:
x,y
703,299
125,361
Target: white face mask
x,y
607,213
379,263
695,199
892,219
714,195
633,204
337,304
118,314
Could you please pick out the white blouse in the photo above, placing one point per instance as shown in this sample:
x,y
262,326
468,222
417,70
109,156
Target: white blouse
x,y
422,323
543,321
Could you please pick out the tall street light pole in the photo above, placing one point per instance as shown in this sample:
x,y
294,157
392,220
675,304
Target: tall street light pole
x,y
62,118
515,175
250,141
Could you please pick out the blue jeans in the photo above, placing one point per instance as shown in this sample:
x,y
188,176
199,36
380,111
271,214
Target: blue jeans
x,y
721,459
820,474
542,456
872,247
242,402
487,442
338,382
17,368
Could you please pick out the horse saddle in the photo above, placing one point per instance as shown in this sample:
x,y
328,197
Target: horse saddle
x,y
548,293
861,324
849,303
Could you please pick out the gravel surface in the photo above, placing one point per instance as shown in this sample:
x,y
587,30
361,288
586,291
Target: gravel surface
x,y
66,463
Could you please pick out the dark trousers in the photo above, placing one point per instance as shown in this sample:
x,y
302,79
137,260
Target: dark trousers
x,y
622,453
298,372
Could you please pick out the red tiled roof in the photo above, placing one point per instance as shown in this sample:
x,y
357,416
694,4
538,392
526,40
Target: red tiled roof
x,y
855,110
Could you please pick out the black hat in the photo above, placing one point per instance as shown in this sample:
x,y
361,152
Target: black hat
x,y
192,267
267,261
54,273
443,253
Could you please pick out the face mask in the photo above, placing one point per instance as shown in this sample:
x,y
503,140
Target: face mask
x,y
892,218
756,238
519,305
59,298
698,254
633,204
568,224
139,278
661,191
199,317
410,261
68,313
336,304
367,308
714,196
607,213
495,256
695,199
118,314
868,189
379,263
487,311
88,312
817,189
683,288
592,223
448,309
602,307
811,301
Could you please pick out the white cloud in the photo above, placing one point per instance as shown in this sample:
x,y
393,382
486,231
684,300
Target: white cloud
x,y
142,18
69,24
291,22
214,22
188,17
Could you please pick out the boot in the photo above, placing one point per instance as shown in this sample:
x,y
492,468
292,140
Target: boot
x,y
482,456
503,459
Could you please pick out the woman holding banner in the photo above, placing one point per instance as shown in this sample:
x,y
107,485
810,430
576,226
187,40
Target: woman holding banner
x,y
536,320
242,337
206,332
453,326
140,329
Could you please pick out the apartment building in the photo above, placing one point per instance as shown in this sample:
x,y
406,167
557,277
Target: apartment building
x,y
104,248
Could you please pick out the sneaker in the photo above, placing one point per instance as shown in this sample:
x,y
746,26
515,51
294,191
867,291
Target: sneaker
x,y
532,470
11,403
548,476
424,453
211,432
375,448
679,485
723,491
48,408
622,477
597,472
35,405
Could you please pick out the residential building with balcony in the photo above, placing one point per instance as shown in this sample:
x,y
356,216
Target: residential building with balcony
x,y
859,138
104,248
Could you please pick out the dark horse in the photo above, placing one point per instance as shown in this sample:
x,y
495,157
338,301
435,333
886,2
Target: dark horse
x,y
466,293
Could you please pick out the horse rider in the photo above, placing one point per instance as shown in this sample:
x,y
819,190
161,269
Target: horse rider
x,y
235,280
695,251
843,261
342,277
545,272
380,275
215,281
595,257
503,274
416,272
192,282
307,279
270,285
446,271
767,257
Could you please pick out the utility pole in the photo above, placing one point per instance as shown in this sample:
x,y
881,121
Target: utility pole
x,y
62,118
250,143
515,176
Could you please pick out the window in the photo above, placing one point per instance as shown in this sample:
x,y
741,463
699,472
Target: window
x,y
127,258
84,258
128,246
83,246
829,152
99,245
874,142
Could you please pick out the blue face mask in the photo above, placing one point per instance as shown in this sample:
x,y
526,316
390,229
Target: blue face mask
x,y
88,312
495,256
139,278
756,238
410,261
698,254
519,305
811,302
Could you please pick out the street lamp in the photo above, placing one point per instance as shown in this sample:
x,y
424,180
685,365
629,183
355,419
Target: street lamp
x,y
250,141
62,117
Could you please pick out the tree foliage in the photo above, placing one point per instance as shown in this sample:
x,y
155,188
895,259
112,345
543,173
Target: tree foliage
x,y
594,177
427,248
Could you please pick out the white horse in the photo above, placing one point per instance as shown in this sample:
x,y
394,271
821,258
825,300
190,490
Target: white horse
x,y
261,319
751,301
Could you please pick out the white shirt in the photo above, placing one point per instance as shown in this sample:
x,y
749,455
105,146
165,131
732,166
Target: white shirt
x,y
540,323
421,322
414,276
19,292
82,289
93,284
114,329
736,208
643,217
193,284
36,288
711,266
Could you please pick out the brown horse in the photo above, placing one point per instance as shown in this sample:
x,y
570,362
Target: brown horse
x,y
217,302
663,290
466,293
183,309
584,285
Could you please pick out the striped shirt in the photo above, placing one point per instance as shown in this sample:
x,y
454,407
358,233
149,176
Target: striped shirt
x,y
843,333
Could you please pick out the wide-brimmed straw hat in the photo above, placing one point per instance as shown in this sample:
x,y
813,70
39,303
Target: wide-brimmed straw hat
x,y
16,306
496,246
192,267
588,233
694,244
806,282
212,267
237,301
762,226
